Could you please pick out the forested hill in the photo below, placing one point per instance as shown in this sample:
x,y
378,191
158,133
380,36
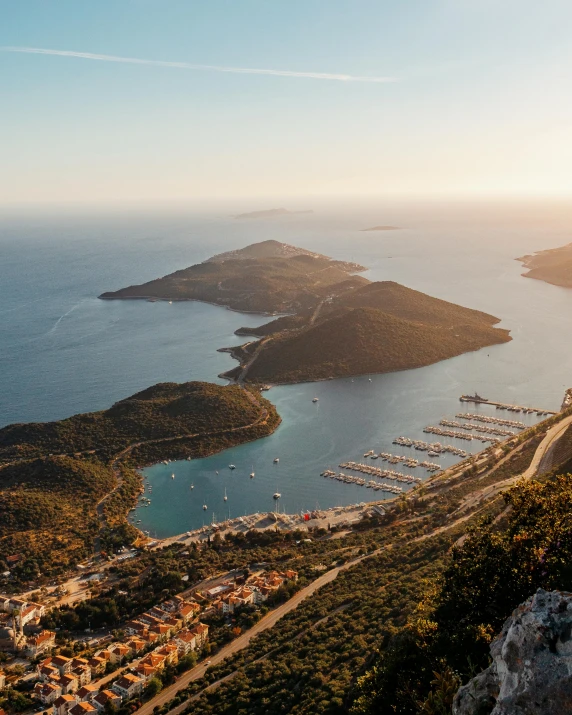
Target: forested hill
x,y
265,277
381,327
162,411
54,474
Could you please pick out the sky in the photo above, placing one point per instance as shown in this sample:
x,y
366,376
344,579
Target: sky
x,y
276,98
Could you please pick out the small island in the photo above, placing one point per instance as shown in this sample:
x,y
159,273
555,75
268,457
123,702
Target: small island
x,y
382,228
551,266
66,487
272,213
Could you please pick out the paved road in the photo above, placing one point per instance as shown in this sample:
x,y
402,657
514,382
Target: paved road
x,y
243,640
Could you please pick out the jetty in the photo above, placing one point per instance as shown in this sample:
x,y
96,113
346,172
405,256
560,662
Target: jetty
x,y
505,406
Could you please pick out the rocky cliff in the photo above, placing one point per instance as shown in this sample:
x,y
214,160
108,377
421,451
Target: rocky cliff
x,y
531,672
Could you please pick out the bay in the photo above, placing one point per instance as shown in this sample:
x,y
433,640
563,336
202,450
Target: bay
x,y
63,351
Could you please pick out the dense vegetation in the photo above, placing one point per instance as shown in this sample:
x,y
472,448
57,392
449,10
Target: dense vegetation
x,y
54,474
265,277
553,266
499,565
161,412
47,512
380,327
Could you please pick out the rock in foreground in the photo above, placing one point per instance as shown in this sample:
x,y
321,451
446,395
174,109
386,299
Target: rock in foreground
x,y
531,673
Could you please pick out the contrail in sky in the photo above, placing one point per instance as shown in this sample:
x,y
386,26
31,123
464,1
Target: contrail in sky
x,y
188,66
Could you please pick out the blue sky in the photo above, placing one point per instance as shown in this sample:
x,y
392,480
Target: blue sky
x,y
480,102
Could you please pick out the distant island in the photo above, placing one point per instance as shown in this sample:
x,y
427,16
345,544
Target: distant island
x,y
552,266
54,475
382,228
270,213
334,323
265,277
378,327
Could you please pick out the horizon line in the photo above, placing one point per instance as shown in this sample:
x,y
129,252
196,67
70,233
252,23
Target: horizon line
x,y
200,67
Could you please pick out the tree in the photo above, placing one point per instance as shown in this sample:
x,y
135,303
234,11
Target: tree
x,y
153,687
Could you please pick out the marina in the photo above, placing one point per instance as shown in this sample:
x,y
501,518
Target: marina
x,y
479,428
490,420
431,429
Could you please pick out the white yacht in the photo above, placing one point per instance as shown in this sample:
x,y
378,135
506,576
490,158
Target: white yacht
x,y
276,460
276,495
225,496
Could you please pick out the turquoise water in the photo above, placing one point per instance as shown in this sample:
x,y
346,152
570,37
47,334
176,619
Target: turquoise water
x,y
63,351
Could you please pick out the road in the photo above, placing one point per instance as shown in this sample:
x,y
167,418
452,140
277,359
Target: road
x,y
243,640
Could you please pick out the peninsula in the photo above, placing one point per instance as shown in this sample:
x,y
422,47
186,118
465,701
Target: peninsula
x,y
65,485
551,266
272,213
266,277
337,323
378,327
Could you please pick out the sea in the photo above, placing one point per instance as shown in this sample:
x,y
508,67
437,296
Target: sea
x,y
64,351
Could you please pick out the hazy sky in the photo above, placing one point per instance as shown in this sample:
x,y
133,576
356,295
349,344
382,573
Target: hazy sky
x,y
344,97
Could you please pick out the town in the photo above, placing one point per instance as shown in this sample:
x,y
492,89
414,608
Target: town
x,y
121,669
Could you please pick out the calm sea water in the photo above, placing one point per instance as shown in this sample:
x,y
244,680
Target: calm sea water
x,y
63,351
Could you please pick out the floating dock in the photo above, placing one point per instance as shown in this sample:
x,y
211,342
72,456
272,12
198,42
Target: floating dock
x,y
505,406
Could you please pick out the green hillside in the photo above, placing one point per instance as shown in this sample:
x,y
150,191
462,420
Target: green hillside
x,y
382,327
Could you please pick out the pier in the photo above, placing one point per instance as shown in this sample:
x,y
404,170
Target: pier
x,y
505,406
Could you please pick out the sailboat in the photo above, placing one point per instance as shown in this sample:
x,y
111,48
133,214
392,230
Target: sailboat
x,y
173,475
205,507
252,473
225,496
192,486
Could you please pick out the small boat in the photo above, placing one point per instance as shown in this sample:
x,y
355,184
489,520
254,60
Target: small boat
x,y
316,399
170,302
225,498
252,475
192,486
370,379
188,459
205,507
217,471
276,495
230,466
276,460
173,475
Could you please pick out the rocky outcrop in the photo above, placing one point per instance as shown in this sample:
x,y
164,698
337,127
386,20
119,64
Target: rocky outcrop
x,y
531,672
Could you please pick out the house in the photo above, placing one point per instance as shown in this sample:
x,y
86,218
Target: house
x,y
171,653
97,665
189,610
83,708
87,693
136,645
185,642
128,686
118,653
82,673
146,672
135,628
201,633
47,693
106,696
47,672
63,664
63,704
41,643
150,638
162,630
155,660
69,683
